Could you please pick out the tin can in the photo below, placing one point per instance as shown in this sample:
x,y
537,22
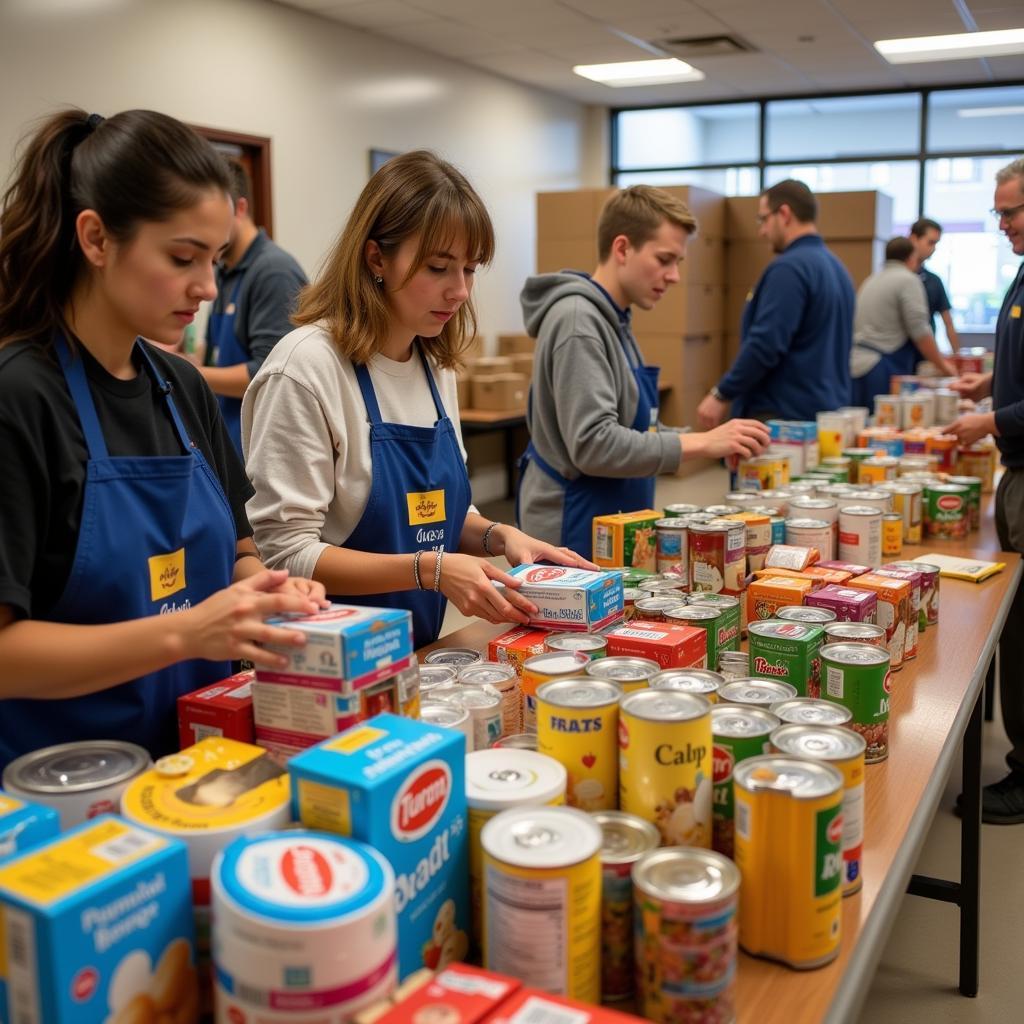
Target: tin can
x,y
448,715
907,501
678,511
730,625
629,598
686,936
843,749
543,668
542,899
811,711
878,469
626,839
973,485
789,831
832,433
653,607
860,534
758,537
811,533
887,411
737,733
628,674
503,678
944,446
742,500
928,611
722,511
762,473
892,534
486,707
839,465
877,498
518,741
918,410
946,511
806,613
856,457
717,553
787,652
752,692
703,617
815,508
913,607
893,597
664,586
577,722
856,632
947,405
497,780
978,460
285,903
432,676
701,681
858,677
78,780
670,544
593,645
665,763
456,657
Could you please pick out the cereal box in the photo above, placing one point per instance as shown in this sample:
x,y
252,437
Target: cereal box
x,y
24,825
571,599
766,596
627,538
670,645
799,440
400,786
220,709
347,647
849,604
515,645
97,928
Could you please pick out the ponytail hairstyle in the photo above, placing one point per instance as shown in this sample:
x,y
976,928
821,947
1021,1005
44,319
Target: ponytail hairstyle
x,y
417,193
134,167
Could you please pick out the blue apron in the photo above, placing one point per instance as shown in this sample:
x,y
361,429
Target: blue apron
x,y
418,501
902,362
156,536
589,496
228,352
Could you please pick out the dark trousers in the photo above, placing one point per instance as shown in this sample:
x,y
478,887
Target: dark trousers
x,y
1010,526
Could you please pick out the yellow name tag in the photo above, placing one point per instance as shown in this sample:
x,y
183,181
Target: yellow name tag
x,y
166,574
1015,312
425,507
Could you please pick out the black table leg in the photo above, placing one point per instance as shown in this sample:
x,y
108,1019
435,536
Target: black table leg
x,y
970,852
990,691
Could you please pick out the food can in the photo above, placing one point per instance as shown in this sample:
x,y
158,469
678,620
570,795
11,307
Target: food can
x,y
944,446
811,711
729,625
456,657
665,763
448,715
789,833
918,410
701,681
518,741
486,707
879,499
543,668
806,613
858,677
758,539
734,665
928,611
887,411
498,780
432,676
577,723
670,545
717,554
504,679
856,632
593,645
877,470
787,652
628,674
947,405
702,616
542,899
815,508
407,689
946,511
913,606
892,534
653,608
721,511
629,597
843,749
860,534
978,460
811,533
742,500
838,464
285,903
78,780
686,936
856,457
626,839
907,500
672,585
752,692
762,473
737,733
973,485
679,511
832,433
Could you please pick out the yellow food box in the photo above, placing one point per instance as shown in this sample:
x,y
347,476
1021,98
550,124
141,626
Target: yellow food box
x,y
626,539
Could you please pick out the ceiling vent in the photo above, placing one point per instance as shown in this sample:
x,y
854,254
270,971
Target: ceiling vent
x,y
701,47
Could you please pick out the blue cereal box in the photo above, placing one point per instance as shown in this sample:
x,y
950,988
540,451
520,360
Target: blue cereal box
x,y
24,825
347,647
571,599
400,786
96,927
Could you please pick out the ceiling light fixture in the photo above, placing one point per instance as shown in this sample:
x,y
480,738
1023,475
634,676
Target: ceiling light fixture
x,y
624,74
918,49
989,111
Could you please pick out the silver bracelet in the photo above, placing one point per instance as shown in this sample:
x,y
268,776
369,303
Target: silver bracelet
x,y
487,534
416,569
437,572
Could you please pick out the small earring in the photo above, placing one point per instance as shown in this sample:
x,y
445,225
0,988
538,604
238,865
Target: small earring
x,y
378,279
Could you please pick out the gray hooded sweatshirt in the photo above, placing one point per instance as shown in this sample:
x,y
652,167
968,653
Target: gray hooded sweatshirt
x,y
583,398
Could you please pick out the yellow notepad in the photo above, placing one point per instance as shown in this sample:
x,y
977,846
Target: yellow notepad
x,y
972,569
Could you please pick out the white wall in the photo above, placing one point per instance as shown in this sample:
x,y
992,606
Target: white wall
x,y
325,94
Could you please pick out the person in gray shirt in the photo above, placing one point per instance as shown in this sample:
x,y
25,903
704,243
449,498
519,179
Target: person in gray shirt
x,y
891,327
596,441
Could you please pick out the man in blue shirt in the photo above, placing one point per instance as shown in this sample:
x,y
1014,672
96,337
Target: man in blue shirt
x,y
924,236
797,327
1002,803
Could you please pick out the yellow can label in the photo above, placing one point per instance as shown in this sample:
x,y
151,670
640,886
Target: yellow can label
x,y
584,741
892,538
830,442
872,473
665,776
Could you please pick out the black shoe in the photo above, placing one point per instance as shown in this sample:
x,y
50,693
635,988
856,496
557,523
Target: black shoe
x,y
1002,803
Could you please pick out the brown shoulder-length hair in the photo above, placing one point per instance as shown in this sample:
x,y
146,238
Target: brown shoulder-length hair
x,y
414,194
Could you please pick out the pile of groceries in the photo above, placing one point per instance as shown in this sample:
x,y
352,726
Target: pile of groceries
x,y
602,807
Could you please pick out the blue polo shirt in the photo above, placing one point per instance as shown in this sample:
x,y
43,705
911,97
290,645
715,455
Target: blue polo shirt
x,y
797,330
1008,375
938,300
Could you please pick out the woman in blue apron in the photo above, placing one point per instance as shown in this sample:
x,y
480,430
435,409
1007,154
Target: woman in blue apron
x,y
127,572
351,423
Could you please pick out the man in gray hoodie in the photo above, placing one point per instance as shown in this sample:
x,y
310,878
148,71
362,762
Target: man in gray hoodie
x,y
596,442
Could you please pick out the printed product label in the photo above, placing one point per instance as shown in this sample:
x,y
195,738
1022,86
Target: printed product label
x,y
828,858
301,873
425,507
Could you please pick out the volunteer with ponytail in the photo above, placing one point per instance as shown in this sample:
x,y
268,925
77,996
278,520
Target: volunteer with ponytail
x,y
128,575
350,428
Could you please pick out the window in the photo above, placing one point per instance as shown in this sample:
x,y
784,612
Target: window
x,y
720,134
727,181
960,120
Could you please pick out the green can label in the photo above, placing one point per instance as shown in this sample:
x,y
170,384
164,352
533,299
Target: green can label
x,y
864,688
728,624
728,752
828,852
788,652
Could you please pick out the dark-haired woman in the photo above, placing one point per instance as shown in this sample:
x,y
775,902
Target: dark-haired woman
x,y
128,575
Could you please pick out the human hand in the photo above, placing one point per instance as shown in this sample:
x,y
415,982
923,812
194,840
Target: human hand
x,y
742,438
521,549
467,582
309,589
973,426
973,385
711,412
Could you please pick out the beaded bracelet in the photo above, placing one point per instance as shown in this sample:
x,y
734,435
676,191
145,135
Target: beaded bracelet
x,y
487,534
416,569
437,572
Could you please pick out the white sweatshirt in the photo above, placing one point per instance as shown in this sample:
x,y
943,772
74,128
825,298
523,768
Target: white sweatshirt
x,y
306,439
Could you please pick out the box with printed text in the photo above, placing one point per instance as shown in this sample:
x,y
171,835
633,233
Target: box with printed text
x,y
571,599
220,709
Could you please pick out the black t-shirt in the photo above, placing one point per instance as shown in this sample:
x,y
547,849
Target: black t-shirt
x,y
43,456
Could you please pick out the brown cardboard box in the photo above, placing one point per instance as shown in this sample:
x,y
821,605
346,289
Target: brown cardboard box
x,y
684,310
688,366
474,350
570,215
861,258
572,254
514,344
741,218
465,391
523,363
705,261
484,366
846,215
500,392
745,262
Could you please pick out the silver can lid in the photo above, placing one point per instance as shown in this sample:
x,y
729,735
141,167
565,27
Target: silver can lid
x,y
457,656
762,693
781,773
623,670
443,713
811,711
717,600
436,675
806,613
818,742
785,630
576,642
677,523
580,692
557,663
689,680
626,837
693,613
853,631
855,654
490,673
808,524
736,721
665,705
542,837
76,767
685,874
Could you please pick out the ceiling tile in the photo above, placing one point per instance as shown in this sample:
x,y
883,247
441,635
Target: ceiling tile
x,y
451,39
380,14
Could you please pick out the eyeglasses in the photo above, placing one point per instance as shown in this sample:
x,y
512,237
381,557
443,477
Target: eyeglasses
x,y
762,217
1008,214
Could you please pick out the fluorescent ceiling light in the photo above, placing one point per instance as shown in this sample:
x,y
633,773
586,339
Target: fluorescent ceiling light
x,y
917,49
989,111
640,72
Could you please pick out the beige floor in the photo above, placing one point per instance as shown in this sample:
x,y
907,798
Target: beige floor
x,y
915,982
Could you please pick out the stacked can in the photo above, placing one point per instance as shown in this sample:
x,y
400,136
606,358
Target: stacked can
x,y
671,545
787,652
973,485
857,633
752,692
857,676
502,678
860,534
928,612
701,681
717,556
811,711
543,668
812,533
946,511
593,645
